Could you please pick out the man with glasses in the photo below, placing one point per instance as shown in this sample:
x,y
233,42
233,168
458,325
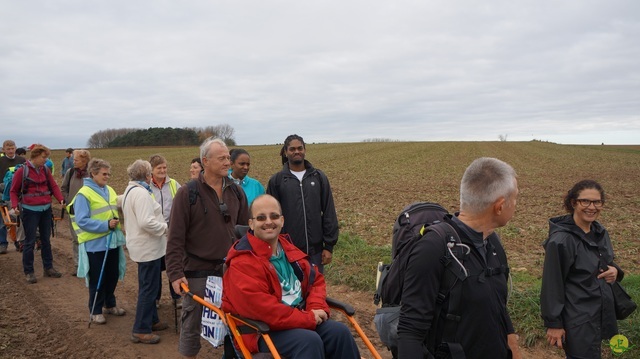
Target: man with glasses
x,y
270,280
203,216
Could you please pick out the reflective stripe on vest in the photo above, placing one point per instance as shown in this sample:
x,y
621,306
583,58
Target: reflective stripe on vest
x,y
173,186
99,210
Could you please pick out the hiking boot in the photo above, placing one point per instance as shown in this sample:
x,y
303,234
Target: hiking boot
x,y
114,311
159,326
98,319
31,278
145,338
52,272
3,249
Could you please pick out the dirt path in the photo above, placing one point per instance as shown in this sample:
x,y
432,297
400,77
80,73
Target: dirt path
x,y
49,319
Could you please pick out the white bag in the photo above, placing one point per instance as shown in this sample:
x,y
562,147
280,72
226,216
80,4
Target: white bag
x,y
213,328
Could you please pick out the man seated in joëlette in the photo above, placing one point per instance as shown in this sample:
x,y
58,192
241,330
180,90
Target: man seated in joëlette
x,y
271,280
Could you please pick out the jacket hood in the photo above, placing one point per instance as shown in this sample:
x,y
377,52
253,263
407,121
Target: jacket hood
x,y
566,224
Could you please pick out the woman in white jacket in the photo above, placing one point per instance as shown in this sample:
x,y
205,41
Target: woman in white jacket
x,y
146,234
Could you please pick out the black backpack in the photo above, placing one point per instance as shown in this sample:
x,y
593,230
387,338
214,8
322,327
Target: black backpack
x,y
412,225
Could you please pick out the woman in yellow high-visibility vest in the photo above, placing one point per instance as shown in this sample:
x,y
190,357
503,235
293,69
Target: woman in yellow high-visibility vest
x,y
95,220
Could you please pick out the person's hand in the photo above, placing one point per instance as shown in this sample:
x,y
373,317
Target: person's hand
x,y
320,315
176,285
113,223
17,211
609,275
326,257
555,336
63,203
512,340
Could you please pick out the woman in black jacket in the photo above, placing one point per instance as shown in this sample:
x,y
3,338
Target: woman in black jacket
x,y
576,298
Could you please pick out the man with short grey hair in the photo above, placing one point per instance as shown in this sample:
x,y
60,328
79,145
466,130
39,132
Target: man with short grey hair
x,y
473,322
203,216
8,162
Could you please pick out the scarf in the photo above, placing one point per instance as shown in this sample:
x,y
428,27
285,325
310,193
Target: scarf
x,y
145,185
81,173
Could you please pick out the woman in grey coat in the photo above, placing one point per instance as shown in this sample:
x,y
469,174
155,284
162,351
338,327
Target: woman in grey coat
x,y
71,184
576,298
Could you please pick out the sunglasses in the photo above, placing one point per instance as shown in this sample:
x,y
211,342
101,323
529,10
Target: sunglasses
x,y
263,217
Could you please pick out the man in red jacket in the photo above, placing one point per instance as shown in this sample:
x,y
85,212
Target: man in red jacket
x,y
271,280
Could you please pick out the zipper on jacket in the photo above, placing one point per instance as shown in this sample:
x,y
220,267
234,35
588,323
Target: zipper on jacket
x,y
304,212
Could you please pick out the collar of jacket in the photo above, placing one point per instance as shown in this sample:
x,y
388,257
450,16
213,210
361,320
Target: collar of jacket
x,y
262,249
566,223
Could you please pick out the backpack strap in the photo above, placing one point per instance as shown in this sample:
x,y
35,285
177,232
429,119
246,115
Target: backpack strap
x,y
502,258
192,185
450,288
26,180
124,198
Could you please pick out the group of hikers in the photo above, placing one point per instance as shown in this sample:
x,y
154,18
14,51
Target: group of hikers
x,y
274,273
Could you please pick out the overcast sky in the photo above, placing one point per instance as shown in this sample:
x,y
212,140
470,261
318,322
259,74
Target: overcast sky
x,y
330,71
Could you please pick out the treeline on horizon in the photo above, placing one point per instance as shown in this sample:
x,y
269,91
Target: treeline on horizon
x,y
160,136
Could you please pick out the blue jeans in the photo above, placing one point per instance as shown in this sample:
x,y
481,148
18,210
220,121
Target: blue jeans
x,y
32,222
3,234
331,339
146,311
163,267
105,297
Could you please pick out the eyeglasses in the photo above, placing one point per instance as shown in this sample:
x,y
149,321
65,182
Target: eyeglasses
x,y
224,210
587,202
263,217
106,174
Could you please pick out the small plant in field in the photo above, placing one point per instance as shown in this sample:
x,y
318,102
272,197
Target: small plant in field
x,y
355,262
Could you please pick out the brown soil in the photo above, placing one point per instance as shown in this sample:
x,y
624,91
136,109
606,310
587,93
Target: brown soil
x,y
49,319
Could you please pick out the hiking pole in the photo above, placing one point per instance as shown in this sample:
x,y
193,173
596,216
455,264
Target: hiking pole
x,y
104,261
175,314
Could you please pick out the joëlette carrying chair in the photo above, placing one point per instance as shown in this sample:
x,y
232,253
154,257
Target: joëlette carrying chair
x,y
238,325
9,222
347,310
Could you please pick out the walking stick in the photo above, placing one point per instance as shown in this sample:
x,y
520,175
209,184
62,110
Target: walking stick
x,y
175,314
95,297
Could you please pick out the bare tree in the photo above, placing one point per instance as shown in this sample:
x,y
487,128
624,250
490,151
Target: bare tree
x,y
503,138
225,132
102,138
